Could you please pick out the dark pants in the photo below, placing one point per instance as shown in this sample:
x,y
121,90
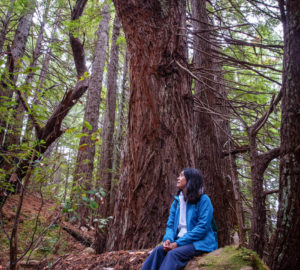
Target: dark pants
x,y
175,259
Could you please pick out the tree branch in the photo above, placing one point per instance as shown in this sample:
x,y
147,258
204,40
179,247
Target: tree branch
x,y
267,157
243,149
244,43
268,192
27,109
261,121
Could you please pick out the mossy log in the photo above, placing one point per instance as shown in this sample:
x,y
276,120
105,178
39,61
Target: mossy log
x,y
228,258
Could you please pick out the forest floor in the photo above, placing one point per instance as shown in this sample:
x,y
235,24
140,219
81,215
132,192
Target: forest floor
x,y
55,248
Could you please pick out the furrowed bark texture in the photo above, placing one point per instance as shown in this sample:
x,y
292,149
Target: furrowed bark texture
x,y
18,114
17,52
259,163
159,129
85,157
107,145
22,32
212,130
120,133
5,24
286,242
11,126
106,156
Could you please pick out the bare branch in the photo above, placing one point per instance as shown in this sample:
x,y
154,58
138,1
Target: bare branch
x,y
268,192
261,121
243,149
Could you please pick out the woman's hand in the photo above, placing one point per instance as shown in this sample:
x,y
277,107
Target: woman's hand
x,y
169,246
173,245
166,245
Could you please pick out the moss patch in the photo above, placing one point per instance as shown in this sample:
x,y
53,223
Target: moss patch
x,y
228,258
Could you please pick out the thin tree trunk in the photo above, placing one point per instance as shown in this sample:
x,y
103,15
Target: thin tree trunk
x,y
52,129
5,25
18,120
22,32
85,157
212,127
106,154
67,178
17,52
120,134
40,87
259,163
285,246
159,141
13,241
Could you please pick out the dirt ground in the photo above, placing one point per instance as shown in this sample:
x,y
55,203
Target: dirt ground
x,y
65,252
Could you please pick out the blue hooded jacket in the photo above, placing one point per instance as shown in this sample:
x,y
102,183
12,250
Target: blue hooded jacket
x,y
199,225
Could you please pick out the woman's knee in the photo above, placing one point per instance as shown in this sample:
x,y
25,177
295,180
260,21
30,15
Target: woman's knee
x,y
159,249
172,253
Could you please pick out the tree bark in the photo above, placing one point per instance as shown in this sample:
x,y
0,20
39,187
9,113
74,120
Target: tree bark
x,y
18,115
85,157
106,156
284,253
212,130
107,145
259,163
120,133
5,24
159,141
17,52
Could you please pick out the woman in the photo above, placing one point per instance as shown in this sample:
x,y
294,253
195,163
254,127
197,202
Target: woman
x,y
189,228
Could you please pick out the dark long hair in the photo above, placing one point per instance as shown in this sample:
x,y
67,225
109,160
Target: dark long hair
x,y
194,184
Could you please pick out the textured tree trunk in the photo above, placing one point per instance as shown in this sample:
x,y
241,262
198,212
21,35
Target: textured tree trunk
x,y
212,130
85,157
238,201
106,154
259,163
19,111
40,86
8,123
5,24
284,253
22,32
107,145
120,133
17,52
159,141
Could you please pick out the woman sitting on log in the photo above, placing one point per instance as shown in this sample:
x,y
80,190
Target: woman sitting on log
x,y
189,229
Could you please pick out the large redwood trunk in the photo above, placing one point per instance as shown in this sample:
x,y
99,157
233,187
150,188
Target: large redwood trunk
x,y
212,129
159,142
284,253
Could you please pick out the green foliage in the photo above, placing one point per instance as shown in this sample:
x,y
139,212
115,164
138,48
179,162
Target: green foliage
x,y
85,198
87,125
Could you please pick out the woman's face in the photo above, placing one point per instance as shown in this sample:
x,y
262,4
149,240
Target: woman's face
x,y
181,181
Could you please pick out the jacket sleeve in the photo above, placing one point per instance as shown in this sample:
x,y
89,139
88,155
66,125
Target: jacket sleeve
x,y
170,234
205,214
